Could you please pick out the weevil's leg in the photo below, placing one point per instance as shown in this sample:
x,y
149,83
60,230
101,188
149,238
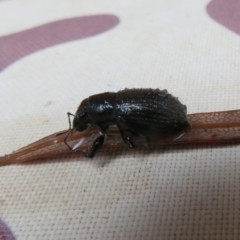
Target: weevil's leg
x,y
70,126
127,139
97,144
123,128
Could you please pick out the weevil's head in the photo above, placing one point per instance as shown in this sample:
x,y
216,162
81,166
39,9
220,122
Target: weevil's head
x,y
81,119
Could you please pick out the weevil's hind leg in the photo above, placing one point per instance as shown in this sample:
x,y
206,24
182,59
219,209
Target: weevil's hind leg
x,y
97,144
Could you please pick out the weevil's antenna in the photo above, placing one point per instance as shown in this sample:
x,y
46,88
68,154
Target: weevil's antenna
x,y
69,131
65,139
70,124
69,120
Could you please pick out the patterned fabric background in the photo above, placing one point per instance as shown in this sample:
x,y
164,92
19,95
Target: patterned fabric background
x,y
53,54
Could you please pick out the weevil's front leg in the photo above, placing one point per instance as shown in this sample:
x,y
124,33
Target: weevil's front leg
x,y
97,144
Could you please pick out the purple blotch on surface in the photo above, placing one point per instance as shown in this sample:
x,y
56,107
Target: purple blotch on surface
x,y
5,232
20,44
226,12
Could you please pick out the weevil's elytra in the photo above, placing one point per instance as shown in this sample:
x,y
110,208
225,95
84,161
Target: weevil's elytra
x,y
138,112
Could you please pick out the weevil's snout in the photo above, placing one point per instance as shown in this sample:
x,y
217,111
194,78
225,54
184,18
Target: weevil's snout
x,y
80,122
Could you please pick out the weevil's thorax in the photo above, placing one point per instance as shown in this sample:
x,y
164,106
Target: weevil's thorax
x,y
102,107
97,109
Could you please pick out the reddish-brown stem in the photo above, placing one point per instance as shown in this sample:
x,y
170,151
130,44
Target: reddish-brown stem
x,y
213,127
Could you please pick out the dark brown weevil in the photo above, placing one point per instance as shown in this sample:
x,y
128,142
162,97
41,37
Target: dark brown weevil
x,y
136,116
140,112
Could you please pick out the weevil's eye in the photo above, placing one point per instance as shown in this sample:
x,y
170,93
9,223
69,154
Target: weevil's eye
x,y
80,121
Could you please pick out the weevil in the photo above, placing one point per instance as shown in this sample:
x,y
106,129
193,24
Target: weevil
x,y
163,115
136,112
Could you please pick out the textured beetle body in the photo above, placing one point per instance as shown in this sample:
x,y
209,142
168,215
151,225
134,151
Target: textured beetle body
x,y
138,112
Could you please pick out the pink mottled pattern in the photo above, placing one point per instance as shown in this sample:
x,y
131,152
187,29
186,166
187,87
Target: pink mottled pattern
x,y
226,12
5,233
20,44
